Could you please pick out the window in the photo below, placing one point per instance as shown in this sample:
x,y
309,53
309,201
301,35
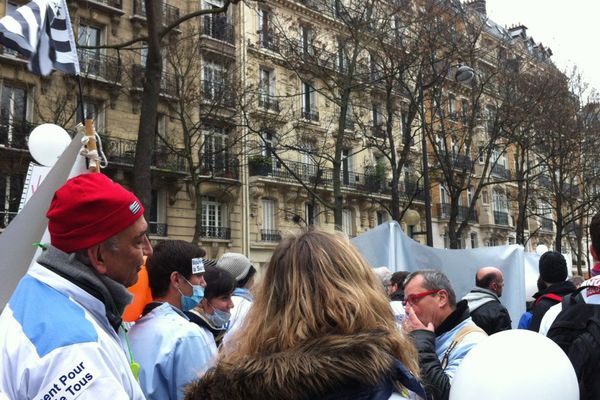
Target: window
x,y
381,217
500,207
469,195
443,195
11,188
474,243
347,225
214,80
347,167
94,110
342,58
309,102
311,214
265,32
13,111
268,231
266,90
89,59
375,66
306,39
491,118
464,108
158,213
266,147
214,219
216,150
452,106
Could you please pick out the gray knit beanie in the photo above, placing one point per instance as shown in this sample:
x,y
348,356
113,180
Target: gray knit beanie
x,y
236,264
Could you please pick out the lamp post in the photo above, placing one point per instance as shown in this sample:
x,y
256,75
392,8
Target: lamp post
x,y
463,74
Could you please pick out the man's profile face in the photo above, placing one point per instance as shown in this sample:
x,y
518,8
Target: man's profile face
x,y
124,262
427,307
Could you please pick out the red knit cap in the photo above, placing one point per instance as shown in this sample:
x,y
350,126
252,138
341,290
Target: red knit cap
x,y
88,209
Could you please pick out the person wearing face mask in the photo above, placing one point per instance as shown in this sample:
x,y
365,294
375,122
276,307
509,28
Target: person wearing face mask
x,y
170,349
213,313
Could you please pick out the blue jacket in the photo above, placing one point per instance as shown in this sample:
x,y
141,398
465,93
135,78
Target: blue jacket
x,y
172,352
432,347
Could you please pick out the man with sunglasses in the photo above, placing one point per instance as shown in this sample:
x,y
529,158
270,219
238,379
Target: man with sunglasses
x,y
442,329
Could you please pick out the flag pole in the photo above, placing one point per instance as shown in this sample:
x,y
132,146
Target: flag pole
x,y
82,112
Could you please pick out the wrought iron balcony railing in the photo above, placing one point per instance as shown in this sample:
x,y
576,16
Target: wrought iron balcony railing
x,y
310,115
268,102
457,161
122,151
217,27
221,166
444,210
158,229
14,134
269,235
6,217
501,172
111,3
94,64
215,232
218,92
170,13
268,40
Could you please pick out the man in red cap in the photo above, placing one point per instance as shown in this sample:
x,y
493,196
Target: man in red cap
x,y
60,333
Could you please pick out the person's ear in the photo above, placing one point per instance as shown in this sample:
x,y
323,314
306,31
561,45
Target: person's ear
x,y
94,253
443,297
174,279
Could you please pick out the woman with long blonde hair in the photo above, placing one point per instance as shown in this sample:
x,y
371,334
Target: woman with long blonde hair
x,y
320,327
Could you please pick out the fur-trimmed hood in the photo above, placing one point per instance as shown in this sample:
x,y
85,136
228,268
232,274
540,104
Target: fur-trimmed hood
x,y
334,364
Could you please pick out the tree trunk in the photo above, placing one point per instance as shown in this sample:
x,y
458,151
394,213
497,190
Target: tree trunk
x,y
144,148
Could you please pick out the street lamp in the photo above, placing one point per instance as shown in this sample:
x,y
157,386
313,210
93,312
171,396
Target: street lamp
x,y
463,74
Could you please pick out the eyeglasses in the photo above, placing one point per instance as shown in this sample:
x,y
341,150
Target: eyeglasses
x,y
412,298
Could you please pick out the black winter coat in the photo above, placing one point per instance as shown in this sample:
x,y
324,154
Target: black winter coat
x,y
540,307
492,317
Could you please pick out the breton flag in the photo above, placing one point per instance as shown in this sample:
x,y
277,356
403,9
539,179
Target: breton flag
x,y
41,31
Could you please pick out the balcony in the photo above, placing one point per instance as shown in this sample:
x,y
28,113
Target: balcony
x,y
221,166
444,210
310,115
95,65
220,93
269,235
457,161
268,40
218,28
268,102
314,175
501,171
170,13
122,151
111,6
158,229
215,232
501,218
14,134
546,224
6,217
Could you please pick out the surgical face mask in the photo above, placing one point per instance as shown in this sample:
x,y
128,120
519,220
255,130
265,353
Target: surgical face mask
x,y
219,318
189,302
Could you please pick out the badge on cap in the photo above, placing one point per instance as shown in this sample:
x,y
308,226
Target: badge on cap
x,y
197,266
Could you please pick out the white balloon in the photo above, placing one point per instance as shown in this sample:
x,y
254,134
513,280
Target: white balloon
x,y
517,364
47,142
541,249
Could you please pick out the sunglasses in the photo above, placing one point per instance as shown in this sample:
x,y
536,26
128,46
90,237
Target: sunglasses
x,y
413,298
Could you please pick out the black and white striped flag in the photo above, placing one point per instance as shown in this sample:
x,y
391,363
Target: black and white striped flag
x,y
41,31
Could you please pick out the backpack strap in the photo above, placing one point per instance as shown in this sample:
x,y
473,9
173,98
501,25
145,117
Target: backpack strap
x,y
551,296
460,335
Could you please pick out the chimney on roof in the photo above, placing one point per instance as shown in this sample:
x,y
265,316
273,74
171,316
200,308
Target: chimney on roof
x,y
478,5
518,27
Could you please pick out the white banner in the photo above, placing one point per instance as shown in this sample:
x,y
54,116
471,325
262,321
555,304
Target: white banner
x,y
386,245
30,225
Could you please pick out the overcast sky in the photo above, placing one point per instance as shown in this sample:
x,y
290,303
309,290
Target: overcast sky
x,y
570,28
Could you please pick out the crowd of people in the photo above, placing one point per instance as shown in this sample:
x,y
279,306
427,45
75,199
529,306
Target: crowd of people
x,y
320,323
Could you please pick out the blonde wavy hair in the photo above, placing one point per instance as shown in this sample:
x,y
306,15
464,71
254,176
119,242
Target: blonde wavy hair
x,y
316,284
